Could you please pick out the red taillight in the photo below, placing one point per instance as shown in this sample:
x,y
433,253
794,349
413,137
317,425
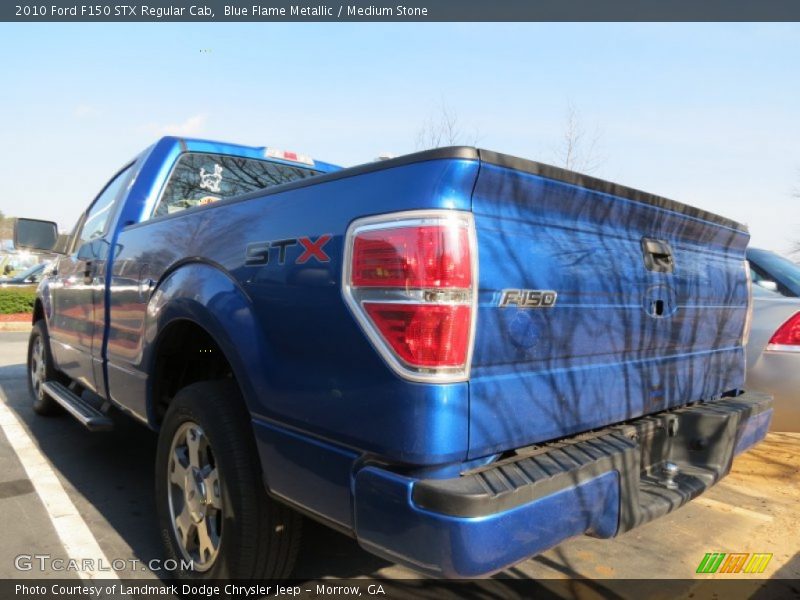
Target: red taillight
x,y
426,335
788,335
409,280
430,256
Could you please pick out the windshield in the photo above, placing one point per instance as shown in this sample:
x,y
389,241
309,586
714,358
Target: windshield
x,y
11,265
770,266
28,272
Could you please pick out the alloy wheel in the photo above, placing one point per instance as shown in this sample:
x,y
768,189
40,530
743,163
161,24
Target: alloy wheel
x,y
195,498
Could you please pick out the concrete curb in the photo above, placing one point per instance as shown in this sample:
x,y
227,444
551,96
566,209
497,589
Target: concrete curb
x,y
21,326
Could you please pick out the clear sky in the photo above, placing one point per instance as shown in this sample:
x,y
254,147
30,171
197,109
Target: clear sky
x,y
708,114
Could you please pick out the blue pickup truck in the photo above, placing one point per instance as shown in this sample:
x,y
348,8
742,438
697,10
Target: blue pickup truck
x,y
457,357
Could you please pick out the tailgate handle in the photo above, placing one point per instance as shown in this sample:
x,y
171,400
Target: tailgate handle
x,y
657,255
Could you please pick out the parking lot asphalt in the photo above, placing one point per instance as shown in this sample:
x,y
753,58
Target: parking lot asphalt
x,y
108,480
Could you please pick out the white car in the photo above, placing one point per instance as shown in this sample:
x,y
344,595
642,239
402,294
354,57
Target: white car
x,y
773,355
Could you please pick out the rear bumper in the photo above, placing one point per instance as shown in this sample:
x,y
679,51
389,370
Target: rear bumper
x,y
602,484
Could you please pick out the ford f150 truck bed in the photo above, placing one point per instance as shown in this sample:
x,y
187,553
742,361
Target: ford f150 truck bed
x,y
458,357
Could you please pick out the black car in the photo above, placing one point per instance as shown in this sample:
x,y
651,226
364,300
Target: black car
x,y
774,272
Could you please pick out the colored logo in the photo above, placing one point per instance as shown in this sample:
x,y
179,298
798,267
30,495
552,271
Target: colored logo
x,y
741,562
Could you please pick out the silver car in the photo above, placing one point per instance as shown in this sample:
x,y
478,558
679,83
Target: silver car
x,y
774,272
773,355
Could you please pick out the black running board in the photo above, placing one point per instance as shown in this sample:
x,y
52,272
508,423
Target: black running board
x,y
89,416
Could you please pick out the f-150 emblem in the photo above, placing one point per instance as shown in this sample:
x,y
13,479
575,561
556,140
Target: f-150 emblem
x,y
528,298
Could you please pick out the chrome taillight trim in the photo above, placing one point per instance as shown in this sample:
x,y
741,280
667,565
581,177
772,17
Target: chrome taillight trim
x,y
355,297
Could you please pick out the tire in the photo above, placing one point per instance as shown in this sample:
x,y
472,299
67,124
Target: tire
x,y
221,517
41,369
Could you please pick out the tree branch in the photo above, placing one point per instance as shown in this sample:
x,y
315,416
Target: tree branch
x,y
579,150
443,128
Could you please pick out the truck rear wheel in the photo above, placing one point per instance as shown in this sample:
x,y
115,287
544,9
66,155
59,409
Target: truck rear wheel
x,y
41,369
213,510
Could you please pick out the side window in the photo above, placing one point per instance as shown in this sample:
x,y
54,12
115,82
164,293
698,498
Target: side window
x,y
200,178
94,225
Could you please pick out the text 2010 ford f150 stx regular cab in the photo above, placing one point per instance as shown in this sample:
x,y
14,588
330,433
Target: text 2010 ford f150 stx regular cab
x,y
457,357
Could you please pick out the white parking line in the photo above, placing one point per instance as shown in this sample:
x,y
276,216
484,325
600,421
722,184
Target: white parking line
x,y
730,508
72,530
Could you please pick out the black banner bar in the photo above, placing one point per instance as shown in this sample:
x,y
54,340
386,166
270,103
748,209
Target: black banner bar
x,y
401,11
399,589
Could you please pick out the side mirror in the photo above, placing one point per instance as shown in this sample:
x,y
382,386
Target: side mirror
x,y
36,235
768,285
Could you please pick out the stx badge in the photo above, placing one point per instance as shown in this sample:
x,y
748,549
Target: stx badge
x,y
258,253
528,298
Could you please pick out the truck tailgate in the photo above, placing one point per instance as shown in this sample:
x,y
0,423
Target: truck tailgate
x,y
650,305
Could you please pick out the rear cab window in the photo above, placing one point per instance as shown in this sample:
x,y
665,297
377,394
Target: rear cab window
x,y
200,178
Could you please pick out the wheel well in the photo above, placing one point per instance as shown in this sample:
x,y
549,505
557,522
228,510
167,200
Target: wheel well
x,y
185,354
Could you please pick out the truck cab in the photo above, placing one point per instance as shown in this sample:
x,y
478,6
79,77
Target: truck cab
x,y
153,183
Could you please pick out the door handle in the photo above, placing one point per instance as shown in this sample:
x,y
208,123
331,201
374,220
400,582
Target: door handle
x,y
657,256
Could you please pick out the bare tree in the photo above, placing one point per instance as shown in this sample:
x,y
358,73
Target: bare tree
x,y
6,227
578,150
443,128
